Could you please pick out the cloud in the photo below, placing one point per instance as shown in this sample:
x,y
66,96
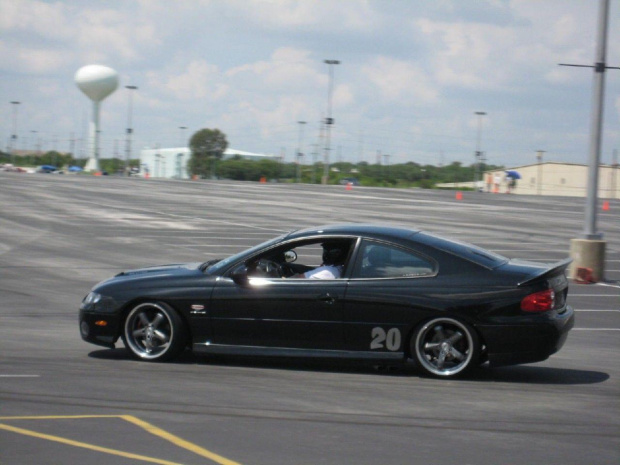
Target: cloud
x,y
400,81
296,15
198,81
36,18
287,70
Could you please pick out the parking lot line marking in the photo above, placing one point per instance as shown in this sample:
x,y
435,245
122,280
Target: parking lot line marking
x,y
596,329
594,295
608,285
20,376
84,445
151,429
178,441
596,310
57,417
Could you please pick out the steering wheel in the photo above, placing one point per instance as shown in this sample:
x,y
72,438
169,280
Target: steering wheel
x,y
271,268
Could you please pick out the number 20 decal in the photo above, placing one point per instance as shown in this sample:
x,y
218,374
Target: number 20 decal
x,y
382,339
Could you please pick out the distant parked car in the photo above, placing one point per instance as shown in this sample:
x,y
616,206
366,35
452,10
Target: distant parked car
x,y
11,168
352,181
46,169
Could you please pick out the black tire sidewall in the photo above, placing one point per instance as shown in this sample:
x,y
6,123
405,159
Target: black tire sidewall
x,y
471,333
178,332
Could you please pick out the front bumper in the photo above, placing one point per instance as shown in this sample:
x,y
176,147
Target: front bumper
x,y
99,328
529,339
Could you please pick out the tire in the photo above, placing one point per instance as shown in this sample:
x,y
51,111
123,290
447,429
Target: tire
x,y
445,347
153,331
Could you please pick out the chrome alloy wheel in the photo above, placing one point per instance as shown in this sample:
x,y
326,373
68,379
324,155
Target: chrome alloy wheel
x,y
446,347
152,331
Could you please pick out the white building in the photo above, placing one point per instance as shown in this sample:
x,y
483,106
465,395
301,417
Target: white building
x,y
172,162
553,178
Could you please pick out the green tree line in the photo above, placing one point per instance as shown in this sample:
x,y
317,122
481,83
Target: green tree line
x,y
398,175
409,174
207,151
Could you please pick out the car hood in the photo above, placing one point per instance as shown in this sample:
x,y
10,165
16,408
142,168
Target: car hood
x,y
176,269
155,274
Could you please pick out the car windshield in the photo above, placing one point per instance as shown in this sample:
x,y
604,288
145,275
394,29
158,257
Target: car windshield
x,y
216,267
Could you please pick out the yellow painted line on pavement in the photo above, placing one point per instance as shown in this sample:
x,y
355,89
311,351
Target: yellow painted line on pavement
x,y
84,445
151,429
59,417
178,441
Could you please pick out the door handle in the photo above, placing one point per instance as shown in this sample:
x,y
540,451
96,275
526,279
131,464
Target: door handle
x,y
327,299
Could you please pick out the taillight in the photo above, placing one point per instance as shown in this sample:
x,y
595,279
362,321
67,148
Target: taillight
x,y
539,301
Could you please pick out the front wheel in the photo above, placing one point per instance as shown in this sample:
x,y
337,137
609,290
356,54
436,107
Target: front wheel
x,y
153,331
445,347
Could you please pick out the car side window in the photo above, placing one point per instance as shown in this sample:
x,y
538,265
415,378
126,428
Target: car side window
x,y
386,261
310,255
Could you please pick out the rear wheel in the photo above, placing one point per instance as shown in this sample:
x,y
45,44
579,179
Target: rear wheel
x,y
153,331
445,347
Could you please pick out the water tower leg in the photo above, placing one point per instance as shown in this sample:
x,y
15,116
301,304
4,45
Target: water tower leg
x,y
95,135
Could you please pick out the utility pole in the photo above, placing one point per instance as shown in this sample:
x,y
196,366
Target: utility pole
x,y
320,143
182,141
588,252
299,149
478,155
72,145
129,128
614,170
13,140
539,157
329,121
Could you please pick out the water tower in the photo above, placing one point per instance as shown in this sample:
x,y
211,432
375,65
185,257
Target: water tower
x,y
97,82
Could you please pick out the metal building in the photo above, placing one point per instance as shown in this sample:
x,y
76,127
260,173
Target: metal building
x,y
553,178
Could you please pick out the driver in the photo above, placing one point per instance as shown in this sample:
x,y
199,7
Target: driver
x,y
334,256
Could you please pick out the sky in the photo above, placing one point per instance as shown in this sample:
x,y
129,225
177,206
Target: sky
x,y
411,77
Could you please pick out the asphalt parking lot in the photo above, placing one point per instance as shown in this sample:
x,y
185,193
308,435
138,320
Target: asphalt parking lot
x,y
65,401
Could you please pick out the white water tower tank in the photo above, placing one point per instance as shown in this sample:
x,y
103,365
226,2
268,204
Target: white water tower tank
x,y
97,82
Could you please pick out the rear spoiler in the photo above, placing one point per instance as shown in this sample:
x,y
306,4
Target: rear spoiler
x,y
556,268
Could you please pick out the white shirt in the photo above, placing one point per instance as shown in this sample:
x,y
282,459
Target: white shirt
x,y
324,272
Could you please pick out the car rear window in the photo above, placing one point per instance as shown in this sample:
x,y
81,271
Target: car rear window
x,y
464,250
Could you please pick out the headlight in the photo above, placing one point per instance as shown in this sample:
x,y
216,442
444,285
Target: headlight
x,y
91,299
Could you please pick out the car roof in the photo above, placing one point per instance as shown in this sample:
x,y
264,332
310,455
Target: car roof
x,y
354,229
404,235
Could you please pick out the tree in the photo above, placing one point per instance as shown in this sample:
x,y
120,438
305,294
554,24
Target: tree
x,y
207,146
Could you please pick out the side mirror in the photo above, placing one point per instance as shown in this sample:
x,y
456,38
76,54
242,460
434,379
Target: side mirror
x,y
240,275
290,256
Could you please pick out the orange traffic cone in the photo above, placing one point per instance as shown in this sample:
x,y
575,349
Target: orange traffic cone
x,y
606,206
349,186
459,195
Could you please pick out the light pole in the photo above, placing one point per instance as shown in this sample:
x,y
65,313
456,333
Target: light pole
x,y
478,156
181,136
328,120
539,157
129,129
179,164
596,129
34,140
588,252
13,140
299,149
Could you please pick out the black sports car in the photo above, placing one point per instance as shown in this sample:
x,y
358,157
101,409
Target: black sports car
x,y
388,294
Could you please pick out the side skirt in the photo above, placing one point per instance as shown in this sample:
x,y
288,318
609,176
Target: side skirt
x,y
288,352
